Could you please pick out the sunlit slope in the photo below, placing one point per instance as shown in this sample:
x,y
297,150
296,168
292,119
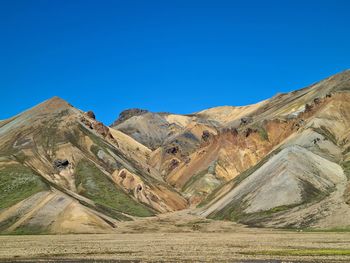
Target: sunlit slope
x,y
303,181
67,157
284,162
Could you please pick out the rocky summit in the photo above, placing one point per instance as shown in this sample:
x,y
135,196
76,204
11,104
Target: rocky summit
x,y
280,163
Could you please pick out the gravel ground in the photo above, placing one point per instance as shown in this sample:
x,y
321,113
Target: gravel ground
x,y
241,246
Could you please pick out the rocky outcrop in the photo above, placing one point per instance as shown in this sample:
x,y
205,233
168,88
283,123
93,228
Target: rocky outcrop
x,y
172,150
127,114
91,114
86,122
151,195
100,128
61,164
206,135
246,120
173,164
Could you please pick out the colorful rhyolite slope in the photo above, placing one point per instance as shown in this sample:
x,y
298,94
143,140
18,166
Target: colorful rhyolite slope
x,y
284,162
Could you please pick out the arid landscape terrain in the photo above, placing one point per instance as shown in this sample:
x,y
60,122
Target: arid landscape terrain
x,y
263,181
180,238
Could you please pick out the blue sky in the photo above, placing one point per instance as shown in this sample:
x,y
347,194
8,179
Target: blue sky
x,y
176,56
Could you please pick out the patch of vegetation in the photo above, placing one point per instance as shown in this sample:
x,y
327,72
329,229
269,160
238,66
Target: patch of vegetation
x,y
100,145
234,211
258,218
95,149
193,179
346,168
190,136
99,188
20,157
238,179
203,183
330,230
251,170
276,209
63,113
263,134
73,136
122,161
346,151
109,162
8,222
97,140
344,86
49,137
17,183
7,148
310,192
111,212
301,252
29,230
326,133
197,177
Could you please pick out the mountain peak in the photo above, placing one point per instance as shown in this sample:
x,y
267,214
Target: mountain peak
x,y
55,100
54,104
127,114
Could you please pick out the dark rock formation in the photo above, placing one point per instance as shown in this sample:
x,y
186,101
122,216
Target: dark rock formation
x,y
127,114
308,107
101,129
317,100
246,120
249,131
61,164
315,141
86,122
123,174
229,130
299,124
91,114
206,135
173,164
172,150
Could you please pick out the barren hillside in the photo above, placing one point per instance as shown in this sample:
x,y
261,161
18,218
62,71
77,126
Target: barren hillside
x,y
283,162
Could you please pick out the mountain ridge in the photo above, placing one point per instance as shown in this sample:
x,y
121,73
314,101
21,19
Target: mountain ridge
x,y
282,162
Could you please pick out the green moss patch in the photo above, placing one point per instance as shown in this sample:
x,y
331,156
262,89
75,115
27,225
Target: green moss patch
x,y
330,230
346,168
29,230
17,183
98,187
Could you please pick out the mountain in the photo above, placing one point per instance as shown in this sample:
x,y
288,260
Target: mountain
x,y
63,171
283,162
301,180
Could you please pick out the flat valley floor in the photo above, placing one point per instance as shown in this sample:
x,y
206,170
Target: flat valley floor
x,y
180,238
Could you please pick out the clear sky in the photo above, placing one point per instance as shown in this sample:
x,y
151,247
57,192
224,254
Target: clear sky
x,y
167,55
